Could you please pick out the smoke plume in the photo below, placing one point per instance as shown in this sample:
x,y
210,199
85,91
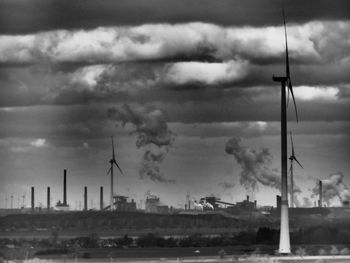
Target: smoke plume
x,y
151,167
227,185
307,202
152,133
255,165
333,187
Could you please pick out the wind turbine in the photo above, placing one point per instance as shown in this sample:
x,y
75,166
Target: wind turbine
x,y
292,158
112,163
284,244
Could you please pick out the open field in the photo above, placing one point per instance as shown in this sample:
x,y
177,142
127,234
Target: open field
x,y
245,254
201,259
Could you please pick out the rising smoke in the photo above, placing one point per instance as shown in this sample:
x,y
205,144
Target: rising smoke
x,y
307,202
333,187
227,185
255,165
151,129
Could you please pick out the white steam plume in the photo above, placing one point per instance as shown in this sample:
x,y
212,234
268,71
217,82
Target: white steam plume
x,y
333,187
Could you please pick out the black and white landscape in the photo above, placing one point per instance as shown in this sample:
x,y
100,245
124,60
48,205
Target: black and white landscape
x,y
185,90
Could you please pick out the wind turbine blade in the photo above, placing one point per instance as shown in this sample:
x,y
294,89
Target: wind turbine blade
x,y
113,154
290,88
290,167
298,162
288,97
291,140
109,170
114,161
285,36
295,105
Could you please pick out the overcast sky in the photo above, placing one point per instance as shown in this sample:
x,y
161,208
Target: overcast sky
x,y
185,88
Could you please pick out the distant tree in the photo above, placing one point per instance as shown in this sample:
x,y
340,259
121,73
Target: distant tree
x,y
300,251
54,237
125,241
334,250
344,251
266,235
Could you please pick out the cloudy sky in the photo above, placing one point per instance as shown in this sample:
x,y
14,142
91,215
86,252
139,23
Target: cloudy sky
x,y
185,88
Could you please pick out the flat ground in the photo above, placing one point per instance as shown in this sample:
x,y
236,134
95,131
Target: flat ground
x,y
201,259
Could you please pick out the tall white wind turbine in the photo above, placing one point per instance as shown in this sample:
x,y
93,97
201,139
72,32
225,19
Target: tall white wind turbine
x,y
284,243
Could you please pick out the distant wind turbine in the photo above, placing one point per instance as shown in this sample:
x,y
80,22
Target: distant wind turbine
x,y
284,244
292,158
112,163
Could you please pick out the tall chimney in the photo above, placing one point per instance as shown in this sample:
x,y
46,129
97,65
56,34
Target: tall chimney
x,y
101,198
248,198
32,198
65,187
320,192
278,201
48,198
85,198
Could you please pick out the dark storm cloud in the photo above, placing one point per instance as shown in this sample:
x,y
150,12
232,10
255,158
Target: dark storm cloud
x,y
179,42
98,62
20,16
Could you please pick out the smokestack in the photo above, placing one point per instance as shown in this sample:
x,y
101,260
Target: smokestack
x,y
48,198
248,198
278,201
32,198
85,198
101,198
320,192
65,187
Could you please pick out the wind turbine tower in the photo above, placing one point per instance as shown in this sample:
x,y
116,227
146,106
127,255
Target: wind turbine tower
x,y
292,158
284,244
112,163
6,200
23,199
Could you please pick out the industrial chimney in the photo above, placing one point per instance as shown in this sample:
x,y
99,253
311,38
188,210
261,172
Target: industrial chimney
x,y
32,198
101,198
48,198
65,187
278,201
320,193
85,198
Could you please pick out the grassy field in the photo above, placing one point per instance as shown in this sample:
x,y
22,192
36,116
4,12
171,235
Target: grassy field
x,y
234,253
201,259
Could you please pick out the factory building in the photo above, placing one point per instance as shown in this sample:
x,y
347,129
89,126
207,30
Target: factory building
x,y
246,204
153,205
122,203
211,200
